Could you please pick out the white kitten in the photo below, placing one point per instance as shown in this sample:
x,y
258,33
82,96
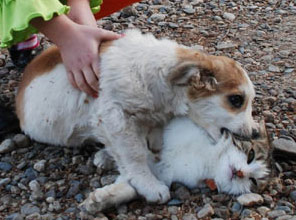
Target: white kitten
x,y
190,156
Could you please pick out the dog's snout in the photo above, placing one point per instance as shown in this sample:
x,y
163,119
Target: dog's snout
x,y
255,133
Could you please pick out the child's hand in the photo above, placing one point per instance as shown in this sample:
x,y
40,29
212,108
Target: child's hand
x,y
79,47
80,53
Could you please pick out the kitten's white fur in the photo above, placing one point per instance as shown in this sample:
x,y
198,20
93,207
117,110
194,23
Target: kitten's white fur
x,y
189,156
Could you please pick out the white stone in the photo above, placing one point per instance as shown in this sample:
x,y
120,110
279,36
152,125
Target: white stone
x,y
250,199
229,16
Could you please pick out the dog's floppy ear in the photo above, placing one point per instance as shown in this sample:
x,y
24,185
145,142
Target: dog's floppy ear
x,y
194,74
182,74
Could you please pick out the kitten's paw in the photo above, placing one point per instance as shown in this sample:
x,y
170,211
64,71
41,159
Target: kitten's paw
x,y
153,190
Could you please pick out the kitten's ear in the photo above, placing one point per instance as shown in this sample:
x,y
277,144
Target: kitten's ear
x,y
183,73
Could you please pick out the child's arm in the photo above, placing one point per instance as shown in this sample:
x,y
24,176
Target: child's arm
x,y
81,13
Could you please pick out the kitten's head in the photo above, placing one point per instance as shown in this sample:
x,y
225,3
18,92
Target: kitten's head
x,y
244,163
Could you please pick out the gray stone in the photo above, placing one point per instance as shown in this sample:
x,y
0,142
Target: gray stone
x,y
21,140
173,25
79,197
175,202
189,10
4,166
250,199
173,210
174,217
182,193
4,181
276,213
189,216
285,145
36,191
197,47
31,174
273,68
289,70
40,165
14,216
74,189
263,210
29,209
228,16
157,17
55,206
293,195
206,211
285,217
225,45
34,216
7,146
236,208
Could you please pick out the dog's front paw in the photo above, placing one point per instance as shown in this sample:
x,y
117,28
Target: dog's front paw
x,y
153,190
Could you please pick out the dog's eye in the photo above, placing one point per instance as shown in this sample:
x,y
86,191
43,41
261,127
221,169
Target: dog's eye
x,y
253,180
236,100
251,156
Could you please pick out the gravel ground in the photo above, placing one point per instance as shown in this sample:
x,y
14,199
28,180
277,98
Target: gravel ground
x,y
39,181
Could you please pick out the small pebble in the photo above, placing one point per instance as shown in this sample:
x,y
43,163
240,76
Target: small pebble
x,y
7,146
21,140
250,199
206,211
4,166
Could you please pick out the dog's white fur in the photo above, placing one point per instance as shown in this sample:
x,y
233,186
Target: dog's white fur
x,y
189,156
143,83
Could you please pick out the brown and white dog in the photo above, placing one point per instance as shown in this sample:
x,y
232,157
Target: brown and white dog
x,y
144,82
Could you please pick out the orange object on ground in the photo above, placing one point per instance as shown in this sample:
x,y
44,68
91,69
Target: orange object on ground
x,y
211,184
110,6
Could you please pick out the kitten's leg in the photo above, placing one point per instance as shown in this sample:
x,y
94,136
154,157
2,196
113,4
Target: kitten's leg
x,y
108,196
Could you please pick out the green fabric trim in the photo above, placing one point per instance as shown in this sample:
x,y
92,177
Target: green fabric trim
x,y
15,17
96,5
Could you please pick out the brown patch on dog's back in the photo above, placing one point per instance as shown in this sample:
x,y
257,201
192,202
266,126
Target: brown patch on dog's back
x,y
42,64
105,46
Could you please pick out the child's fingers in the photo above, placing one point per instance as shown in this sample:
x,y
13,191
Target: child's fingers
x,y
82,85
71,79
96,68
105,35
90,77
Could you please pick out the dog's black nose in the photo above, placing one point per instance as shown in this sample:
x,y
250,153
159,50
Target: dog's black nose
x,y
255,133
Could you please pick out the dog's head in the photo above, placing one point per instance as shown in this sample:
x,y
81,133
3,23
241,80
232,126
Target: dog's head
x,y
218,90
